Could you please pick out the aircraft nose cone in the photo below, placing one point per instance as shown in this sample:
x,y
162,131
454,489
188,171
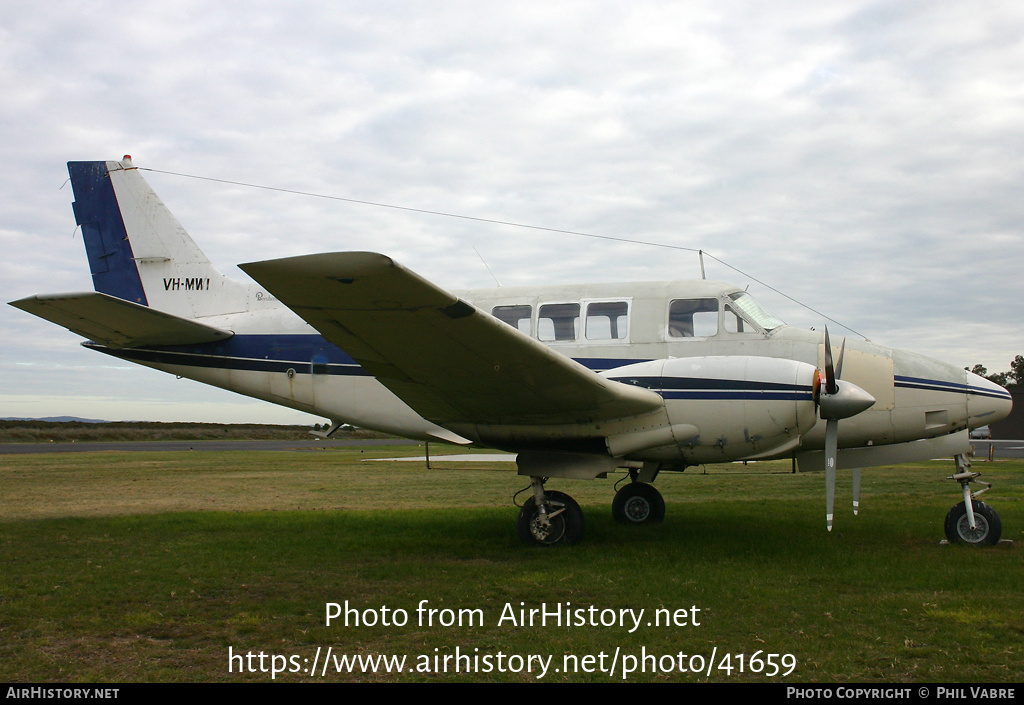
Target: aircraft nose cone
x,y
987,402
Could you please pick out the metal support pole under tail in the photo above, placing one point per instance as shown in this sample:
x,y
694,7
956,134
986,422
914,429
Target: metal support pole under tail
x,y
335,425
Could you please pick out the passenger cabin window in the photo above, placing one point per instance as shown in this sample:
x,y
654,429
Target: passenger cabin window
x,y
693,318
558,322
607,320
516,316
602,320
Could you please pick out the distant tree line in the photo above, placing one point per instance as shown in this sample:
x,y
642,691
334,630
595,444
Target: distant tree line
x,y
1014,376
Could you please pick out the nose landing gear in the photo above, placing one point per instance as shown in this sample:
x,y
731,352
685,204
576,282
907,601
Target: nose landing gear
x,y
971,522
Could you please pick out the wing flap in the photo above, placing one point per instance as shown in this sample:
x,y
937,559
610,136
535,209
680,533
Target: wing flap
x,y
448,360
117,323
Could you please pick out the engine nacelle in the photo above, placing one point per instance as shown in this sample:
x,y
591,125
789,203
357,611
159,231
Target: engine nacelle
x,y
702,392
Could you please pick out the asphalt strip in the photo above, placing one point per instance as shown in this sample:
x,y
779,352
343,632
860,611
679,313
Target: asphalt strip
x,y
463,458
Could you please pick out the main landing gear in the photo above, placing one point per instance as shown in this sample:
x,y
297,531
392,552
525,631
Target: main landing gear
x,y
638,503
551,518
971,522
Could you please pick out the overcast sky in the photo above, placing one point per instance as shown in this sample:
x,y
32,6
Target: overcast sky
x,y
865,158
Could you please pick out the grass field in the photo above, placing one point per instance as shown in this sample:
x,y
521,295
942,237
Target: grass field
x,y
151,566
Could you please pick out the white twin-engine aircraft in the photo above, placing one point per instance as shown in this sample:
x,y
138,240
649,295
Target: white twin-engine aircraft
x,y
580,381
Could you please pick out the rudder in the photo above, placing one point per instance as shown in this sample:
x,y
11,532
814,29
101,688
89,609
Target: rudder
x,y
107,245
137,249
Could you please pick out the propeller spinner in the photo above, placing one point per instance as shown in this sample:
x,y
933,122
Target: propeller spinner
x,y
836,401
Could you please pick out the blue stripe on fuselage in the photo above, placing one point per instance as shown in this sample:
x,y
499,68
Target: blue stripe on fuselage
x,y
305,352
279,353
261,353
702,388
943,386
308,353
602,364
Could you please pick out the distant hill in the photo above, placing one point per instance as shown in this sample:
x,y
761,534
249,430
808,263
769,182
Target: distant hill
x,y
55,419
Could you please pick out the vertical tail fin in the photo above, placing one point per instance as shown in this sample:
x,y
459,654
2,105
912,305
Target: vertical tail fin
x,y
137,249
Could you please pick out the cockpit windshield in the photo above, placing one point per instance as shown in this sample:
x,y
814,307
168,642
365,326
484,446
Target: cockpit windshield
x,y
755,311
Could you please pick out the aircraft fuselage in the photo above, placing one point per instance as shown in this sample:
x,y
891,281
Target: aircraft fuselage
x,y
604,327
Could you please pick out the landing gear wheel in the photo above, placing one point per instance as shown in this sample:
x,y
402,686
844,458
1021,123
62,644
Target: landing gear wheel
x,y
988,527
564,524
638,503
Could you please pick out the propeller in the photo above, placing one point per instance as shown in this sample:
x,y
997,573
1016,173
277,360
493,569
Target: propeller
x,y
856,491
836,401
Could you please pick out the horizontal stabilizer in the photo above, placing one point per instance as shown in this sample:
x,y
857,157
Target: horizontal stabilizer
x,y
117,323
445,358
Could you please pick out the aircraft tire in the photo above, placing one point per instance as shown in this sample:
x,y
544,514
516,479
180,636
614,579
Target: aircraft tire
x,y
565,529
958,529
638,503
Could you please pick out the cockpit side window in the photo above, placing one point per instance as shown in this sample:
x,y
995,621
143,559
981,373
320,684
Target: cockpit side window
x,y
558,322
693,318
732,322
516,316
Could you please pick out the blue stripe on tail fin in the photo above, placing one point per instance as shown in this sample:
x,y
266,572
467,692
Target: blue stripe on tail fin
x,y
111,260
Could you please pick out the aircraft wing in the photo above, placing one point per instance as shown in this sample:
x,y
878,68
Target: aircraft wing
x,y
448,360
117,323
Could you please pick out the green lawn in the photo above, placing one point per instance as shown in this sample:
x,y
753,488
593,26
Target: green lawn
x,y
156,566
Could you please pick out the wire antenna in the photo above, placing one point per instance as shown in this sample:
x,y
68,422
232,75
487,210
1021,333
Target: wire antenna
x,y
701,253
486,265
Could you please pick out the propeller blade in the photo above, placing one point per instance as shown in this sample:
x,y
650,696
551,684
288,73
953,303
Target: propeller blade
x,y
831,455
836,403
830,371
856,490
839,360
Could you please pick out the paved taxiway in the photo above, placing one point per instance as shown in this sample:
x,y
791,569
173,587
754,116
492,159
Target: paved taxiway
x,y
1003,450
141,446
